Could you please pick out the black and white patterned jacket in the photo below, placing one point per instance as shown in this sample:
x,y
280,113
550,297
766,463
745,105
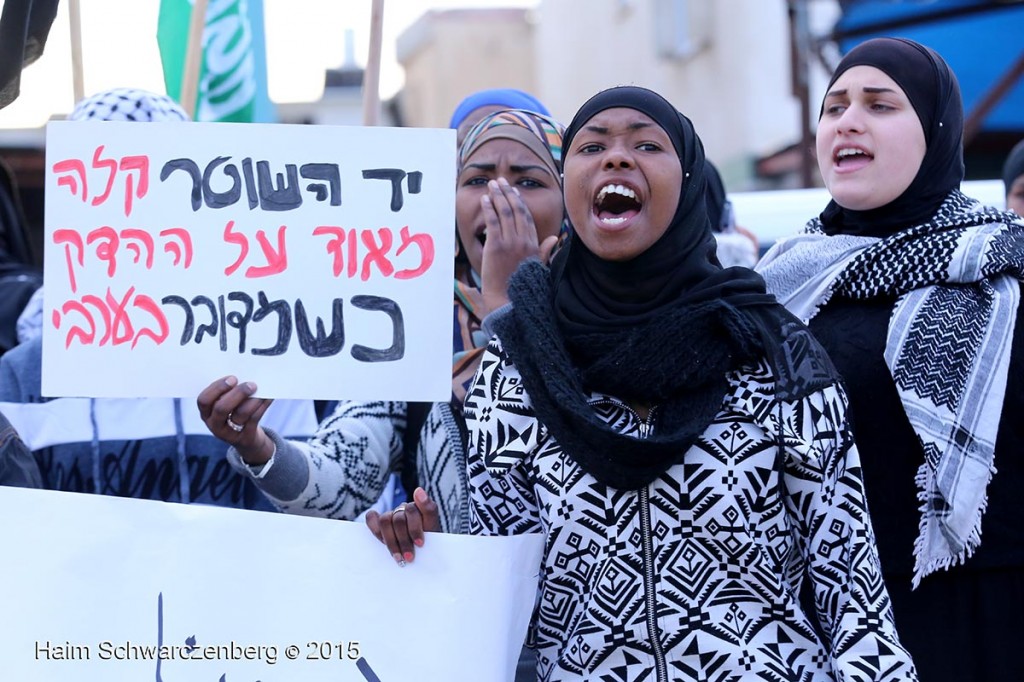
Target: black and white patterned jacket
x,y
698,575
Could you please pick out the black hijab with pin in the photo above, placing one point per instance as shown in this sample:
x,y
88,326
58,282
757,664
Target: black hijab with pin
x,y
934,92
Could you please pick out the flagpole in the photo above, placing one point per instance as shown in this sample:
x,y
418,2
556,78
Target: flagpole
x,y
193,58
77,76
371,76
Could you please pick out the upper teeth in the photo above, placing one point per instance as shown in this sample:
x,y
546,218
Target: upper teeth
x,y
849,151
616,189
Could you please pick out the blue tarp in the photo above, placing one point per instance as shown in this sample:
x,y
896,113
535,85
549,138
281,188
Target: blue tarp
x,y
979,47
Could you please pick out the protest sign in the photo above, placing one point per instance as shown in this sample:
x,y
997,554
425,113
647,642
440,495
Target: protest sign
x,y
101,588
316,261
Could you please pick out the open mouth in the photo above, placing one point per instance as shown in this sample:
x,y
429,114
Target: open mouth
x,y
851,157
615,204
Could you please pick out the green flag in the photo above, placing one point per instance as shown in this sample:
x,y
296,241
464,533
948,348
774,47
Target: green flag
x,y
233,71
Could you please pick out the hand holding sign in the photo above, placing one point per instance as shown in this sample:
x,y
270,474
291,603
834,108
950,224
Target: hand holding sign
x,y
233,415
402,529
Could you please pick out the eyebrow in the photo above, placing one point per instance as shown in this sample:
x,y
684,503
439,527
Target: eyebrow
x,y
491,167
601,130
868,89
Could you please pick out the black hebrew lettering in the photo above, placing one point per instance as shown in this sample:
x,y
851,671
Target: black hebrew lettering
x,y
211,328
240,321
415,182
284,324
221,199
397,349
330,174
190,167
250,183
322,345
187,329
395,175
282,195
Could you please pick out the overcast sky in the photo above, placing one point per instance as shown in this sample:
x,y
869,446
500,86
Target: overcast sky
x,y
304,37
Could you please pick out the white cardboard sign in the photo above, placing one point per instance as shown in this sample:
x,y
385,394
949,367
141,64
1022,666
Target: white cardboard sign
x,y
316,261
101,589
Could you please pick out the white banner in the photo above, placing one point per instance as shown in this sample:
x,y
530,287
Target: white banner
x,y
104,589
316,261
70,420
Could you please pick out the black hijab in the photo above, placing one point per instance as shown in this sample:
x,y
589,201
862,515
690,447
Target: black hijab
x,y
719,206
934,92
663,329
1013,168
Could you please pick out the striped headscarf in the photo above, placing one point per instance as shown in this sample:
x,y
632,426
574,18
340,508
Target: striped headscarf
x,y
543,136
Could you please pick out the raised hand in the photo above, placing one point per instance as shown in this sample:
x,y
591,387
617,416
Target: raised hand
x,y
511,239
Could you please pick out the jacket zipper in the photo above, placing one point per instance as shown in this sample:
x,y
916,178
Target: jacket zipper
x,y
660,666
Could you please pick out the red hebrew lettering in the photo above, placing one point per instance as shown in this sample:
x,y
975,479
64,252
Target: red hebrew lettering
x,y
97,162
86,337
106,251
140,164
98,303
122,324
277,261
147,304
145,240
334,245
353,254
235,238
70,238
68,166
377,254
425,243
173,248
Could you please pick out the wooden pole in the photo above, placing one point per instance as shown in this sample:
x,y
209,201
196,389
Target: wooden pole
x,y
992,97
193,58
77,75
371,76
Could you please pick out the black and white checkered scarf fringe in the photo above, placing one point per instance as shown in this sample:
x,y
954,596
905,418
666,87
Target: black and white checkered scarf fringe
x,y
956,279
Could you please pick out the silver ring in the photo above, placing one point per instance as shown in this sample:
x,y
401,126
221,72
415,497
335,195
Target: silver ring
x,y
237,428
399,508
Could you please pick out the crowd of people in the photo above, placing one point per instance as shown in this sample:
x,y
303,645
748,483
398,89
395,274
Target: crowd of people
x,y
743,468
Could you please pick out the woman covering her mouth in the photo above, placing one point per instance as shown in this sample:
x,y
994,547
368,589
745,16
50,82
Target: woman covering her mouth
x,y
914,290
509,183
680,439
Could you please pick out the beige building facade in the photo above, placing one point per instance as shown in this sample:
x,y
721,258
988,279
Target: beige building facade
x,y
725,63
450,54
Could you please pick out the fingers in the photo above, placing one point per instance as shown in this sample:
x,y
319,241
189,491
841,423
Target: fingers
x,y
427,507
402,530
511,239
547,249
388,528
233,415
212,393
514,217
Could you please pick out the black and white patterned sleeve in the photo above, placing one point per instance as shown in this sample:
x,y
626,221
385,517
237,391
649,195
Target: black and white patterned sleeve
x,y
344,467
829,516
503,434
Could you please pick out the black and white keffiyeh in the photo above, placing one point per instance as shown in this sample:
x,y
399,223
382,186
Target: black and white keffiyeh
x,y
956,279
128,104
